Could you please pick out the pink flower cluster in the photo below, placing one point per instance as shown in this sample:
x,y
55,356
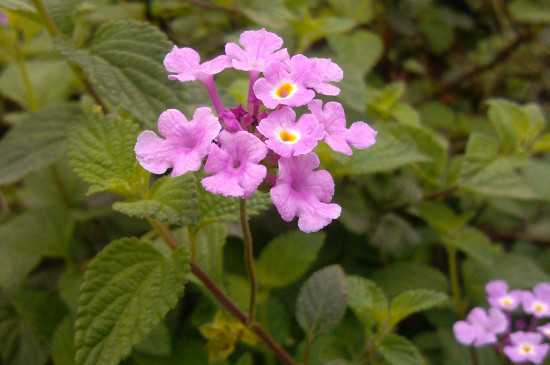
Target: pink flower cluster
x,y
520,340
241,144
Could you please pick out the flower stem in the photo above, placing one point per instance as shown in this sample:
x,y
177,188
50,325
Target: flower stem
x,y
249,260
164,232
46,18
211,89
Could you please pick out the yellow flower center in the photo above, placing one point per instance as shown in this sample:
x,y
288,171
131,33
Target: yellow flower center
x,y
287,137
525,349
539,307
506,301
284,91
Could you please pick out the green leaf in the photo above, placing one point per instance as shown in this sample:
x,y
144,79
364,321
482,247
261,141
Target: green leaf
x,y
287,257
322,301
39,232
537,174
438,33
397,350
426,142
20,344
49,79
472,242
310,30
366,298
21,7
439,216
102,153
529,11
157,342
35,143
128,288
63,351
124,63
399,277
63,14
388,153
360,11
170,200
217,208
270,14
413,301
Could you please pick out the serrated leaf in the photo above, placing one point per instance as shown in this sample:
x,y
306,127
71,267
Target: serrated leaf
x,y
128,288
125,63
157,342
20,344
397,350
63,351
413,301
62,12
322,301
170,200
388,153
472,242
529,11
366,298
36,142
426,142
397,278
287,257
217,208
102,153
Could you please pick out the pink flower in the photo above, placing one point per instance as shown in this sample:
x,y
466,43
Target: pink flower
x,y
329,72
260,48
185,62
359,135
545,330
537,302
479,328
289,137
526,346
500,297
234,165
288,84
185,144
300,191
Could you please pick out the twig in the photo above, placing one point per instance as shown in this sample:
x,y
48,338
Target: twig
x,y
165,233
500,57
248,259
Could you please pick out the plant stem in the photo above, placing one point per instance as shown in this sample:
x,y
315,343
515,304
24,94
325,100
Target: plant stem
x,y
248,259
29,92
164,232
453,276
54,32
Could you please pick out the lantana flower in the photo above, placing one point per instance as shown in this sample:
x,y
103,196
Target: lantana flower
x,y
337,136
287,136
537,302
526,346
260,49
545,330
500,297
481,328
302,192
235,165
185,142
288,84
240,142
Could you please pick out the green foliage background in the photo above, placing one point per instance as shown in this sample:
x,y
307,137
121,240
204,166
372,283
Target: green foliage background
x,y
453,194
